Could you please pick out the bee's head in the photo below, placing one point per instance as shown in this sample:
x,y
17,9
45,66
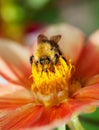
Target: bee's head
x,y
47,49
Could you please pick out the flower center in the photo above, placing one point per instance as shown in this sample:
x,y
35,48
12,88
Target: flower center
x,y
53,81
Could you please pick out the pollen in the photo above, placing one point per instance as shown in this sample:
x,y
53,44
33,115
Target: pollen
x,y
51,86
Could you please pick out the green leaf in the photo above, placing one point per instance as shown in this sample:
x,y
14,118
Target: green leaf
x,y
90,121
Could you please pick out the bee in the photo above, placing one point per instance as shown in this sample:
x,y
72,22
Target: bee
x,y
47,51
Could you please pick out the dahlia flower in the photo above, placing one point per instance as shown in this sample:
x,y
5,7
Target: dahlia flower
x,y
45,95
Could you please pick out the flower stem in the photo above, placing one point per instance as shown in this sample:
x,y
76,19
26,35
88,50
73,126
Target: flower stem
x,y
63,127
75,124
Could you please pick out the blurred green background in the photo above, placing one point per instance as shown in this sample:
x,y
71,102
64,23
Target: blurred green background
x,y
21,17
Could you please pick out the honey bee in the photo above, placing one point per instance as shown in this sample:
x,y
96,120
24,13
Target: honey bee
x,y
48,51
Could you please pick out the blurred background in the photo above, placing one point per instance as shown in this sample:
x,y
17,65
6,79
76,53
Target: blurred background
x,y
21,18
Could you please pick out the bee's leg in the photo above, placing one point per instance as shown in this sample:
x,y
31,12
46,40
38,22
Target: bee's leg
x,y
42,69
31,59
65,60
56,58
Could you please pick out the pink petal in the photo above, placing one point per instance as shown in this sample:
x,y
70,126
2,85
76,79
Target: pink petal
x,y
88,64
91,92
12,96
14,75
20,117
72,39
14,62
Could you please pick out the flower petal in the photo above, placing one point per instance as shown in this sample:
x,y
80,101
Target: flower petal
x,y
58,115
72,39
12,96
14,62
38,117
20,117
93,80
91,92
88,63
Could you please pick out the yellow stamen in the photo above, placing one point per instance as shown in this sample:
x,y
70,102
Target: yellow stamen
x,y
51,87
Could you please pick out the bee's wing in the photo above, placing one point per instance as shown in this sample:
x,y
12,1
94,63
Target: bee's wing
x,y
55,38
42,38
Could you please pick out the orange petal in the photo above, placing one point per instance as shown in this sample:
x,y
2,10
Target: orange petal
x,y
36,117
58,115
14,61
72,39
88,64
20,117
91,92
12,96
92,80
